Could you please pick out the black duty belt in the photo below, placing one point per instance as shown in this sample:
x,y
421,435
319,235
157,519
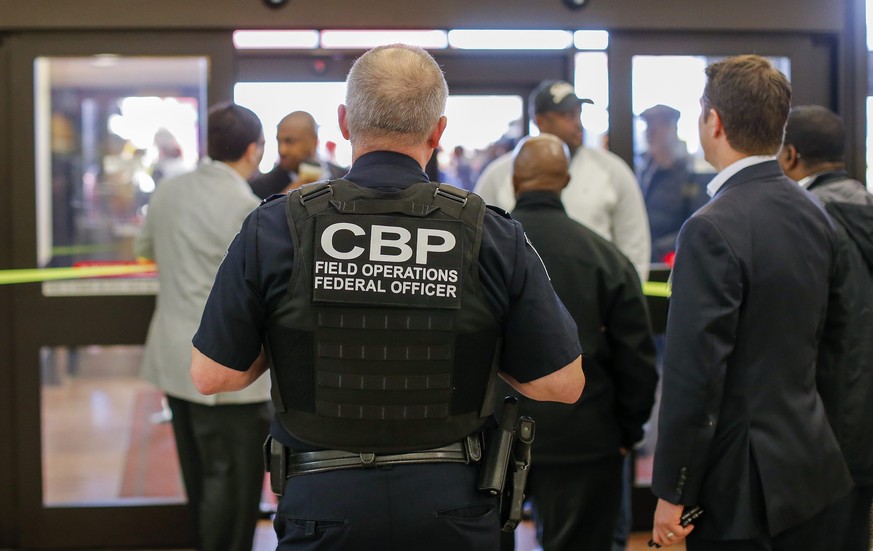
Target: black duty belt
x,y
467,451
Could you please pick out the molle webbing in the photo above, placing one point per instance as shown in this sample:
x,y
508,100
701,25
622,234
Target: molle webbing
x,y
389,358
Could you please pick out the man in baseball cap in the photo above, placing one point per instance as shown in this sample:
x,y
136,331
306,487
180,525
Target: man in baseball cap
x,y
554,95
603,193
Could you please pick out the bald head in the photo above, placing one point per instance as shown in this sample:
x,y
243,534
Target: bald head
x,y
297,137
541,164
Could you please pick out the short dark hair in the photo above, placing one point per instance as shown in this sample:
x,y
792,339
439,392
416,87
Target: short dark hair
x,y
752,99
817,133
231,128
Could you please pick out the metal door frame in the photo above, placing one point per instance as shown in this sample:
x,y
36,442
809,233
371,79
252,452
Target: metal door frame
x,y
45,321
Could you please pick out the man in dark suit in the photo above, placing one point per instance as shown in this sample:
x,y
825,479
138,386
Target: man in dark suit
x,y
297,137
576,480
743,432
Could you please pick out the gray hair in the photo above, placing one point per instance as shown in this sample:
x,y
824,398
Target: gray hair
x,y
395,92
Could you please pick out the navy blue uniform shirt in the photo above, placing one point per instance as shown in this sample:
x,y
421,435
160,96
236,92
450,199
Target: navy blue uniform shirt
x,y
539,335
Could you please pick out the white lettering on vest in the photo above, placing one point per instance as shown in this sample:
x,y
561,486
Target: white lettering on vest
x,y
424,246
327,240
388,244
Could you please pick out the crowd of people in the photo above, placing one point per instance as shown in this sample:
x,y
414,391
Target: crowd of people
x,y
387,427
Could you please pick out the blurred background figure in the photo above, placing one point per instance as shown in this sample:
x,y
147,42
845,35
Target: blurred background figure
x,y
170,161
297,135
671,189
462,169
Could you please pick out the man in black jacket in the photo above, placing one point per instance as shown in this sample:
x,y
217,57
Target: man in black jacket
x,y
813,155
575,483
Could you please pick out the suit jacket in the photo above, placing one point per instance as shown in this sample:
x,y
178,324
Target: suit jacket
x,y
191,221
742,429
273,182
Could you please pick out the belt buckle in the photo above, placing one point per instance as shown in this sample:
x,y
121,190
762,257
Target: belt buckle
x,y
368,460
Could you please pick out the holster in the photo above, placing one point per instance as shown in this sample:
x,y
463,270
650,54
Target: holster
x,y
519,469
507,463
276,463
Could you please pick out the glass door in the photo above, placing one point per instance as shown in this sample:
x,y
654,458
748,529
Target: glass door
x,y
486,110
101,120
656,81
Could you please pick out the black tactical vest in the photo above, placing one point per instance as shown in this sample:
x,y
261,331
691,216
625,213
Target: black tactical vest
x,y
384,342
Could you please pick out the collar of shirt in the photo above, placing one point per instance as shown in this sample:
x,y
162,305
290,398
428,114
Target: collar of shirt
x,y
386,169
539,200
233,173
806,182
723,176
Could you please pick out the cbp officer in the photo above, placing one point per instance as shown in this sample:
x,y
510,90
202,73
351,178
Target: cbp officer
x,y
386,305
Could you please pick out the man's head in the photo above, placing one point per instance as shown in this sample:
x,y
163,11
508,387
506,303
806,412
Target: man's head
x,y
743,109
815,140
297,136
540,163
662,134
235,136
557,110
395,99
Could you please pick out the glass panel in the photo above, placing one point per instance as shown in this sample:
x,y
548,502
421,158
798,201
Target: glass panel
x,y
106,435
483,127
479,129
271,101
592,82
108,129
670,167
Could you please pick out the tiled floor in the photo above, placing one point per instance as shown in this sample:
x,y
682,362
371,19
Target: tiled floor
x,y
101,423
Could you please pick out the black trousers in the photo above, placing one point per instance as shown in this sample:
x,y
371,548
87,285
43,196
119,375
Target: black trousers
x,y
852,520
220,452
811,535
576,506
425,507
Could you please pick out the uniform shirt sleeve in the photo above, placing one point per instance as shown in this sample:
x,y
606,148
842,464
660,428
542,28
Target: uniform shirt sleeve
x,y
232,326
701,325
539,335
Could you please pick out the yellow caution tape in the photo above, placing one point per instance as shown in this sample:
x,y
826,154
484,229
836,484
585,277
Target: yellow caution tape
x,y
8,277
656,289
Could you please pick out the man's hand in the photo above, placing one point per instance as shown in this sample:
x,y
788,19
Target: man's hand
x,y
667,530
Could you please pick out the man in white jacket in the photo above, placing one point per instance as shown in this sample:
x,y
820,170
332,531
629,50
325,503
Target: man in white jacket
x,y
603,193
